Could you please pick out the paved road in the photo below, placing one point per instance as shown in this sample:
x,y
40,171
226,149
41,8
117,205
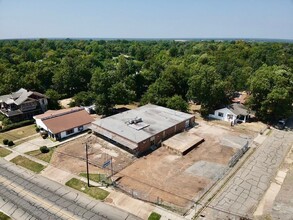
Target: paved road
x,y
24,195
244,191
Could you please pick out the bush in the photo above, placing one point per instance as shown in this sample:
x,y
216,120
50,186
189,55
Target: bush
x,y
17,125
44,136
44,149
37,129
10,143
154,216
5,141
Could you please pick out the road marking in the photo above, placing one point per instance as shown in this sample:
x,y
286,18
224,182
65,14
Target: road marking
x,y
36,199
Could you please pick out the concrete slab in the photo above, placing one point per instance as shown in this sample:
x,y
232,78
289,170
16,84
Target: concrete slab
x,y
34,144
183,142
56,174
206,169
134,206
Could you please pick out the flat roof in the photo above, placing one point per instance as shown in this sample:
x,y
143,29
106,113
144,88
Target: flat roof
x,y
183,141
142,123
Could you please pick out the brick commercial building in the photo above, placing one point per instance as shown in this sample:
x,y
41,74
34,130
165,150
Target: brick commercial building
x,y
139,129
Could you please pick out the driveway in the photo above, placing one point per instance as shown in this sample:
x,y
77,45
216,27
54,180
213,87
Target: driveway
x,y
34,144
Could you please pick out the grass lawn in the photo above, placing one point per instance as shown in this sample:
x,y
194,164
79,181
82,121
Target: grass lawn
x,y
95,177
93,191
27,163
42,156
4,217
154,216
4,152
18,133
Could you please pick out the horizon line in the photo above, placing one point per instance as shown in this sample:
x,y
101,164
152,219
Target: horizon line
x,y
154,38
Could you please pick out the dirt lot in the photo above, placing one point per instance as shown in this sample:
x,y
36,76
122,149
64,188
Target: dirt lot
x,y
71,156
164,176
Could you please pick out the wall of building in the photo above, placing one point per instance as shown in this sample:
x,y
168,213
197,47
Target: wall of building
x,y
158,138
226,112
121,140
76,130
40,124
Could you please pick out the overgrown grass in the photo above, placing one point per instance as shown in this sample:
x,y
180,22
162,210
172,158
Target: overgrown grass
x,y
4,217
18,133
42,156
92,191
154,216
4,152
27,163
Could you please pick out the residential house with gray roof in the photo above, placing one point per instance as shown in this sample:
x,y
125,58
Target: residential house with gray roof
x,y
22,104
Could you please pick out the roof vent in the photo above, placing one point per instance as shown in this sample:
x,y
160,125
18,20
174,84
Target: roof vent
x,y
134,121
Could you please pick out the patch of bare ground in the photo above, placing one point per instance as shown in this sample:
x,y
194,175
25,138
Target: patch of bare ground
x,y
163,176
71,156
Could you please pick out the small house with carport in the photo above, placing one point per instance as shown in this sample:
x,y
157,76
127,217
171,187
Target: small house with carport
x,y
232,113
63,123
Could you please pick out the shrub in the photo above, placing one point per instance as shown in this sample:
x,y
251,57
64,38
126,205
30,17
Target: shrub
x,y
154,216
16,125
37,129
44,136
5,141
10,143
44,149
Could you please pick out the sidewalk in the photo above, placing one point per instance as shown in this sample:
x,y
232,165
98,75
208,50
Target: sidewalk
x,y
116,198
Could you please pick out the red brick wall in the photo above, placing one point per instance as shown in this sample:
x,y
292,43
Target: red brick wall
x,y
145,145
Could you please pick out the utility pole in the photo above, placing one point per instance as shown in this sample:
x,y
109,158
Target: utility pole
x,y
87,165
112,171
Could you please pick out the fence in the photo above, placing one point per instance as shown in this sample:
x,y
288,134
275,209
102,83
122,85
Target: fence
x,y
155,198
238,155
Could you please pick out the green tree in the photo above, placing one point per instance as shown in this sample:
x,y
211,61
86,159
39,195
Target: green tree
x,y
207,88
177,103
53,97
272,92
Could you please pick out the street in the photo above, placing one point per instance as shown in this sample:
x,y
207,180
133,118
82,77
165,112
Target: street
x,y
24,195
245,189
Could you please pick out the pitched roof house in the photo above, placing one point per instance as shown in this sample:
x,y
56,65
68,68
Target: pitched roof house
x,y
232,113
65,122
22,104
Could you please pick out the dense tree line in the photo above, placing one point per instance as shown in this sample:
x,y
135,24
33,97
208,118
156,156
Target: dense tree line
x,y
166,73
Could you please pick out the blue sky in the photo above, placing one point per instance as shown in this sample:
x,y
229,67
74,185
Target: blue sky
x,y
146,19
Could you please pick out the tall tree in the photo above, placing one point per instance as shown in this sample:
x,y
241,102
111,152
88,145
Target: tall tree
x,y
272,92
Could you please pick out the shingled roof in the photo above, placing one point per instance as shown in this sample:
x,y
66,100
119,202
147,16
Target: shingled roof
x,y
65,119
19,96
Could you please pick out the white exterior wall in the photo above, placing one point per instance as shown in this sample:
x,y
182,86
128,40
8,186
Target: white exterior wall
x,y
64,135
40,124
225,113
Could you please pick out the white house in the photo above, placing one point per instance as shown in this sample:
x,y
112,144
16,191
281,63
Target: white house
x,y
232,113
65,122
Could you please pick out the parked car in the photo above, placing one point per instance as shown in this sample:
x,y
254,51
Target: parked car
x,y
281,124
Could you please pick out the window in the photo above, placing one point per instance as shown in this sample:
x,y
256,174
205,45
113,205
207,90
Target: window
x,y
230,117
71,131
220,114
80,128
